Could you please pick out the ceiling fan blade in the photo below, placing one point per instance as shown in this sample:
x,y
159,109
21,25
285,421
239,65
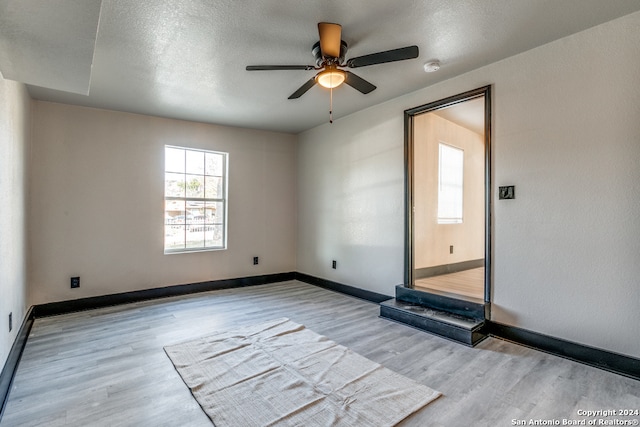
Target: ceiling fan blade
x,y
330,35
303,89
400,54
279,67
358,83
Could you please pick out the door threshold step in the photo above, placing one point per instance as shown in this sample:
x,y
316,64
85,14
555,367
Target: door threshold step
x,y
473,308
465,330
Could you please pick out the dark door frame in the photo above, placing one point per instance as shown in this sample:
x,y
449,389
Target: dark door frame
x,y
409,172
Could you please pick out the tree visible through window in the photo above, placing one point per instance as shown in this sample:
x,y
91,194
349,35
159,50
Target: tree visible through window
x,y
195,200
450,184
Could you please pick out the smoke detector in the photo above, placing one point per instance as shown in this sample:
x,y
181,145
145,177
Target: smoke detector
x,y
431,66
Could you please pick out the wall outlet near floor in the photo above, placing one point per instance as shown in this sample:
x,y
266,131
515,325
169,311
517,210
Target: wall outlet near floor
x,y
75,282
10,321
334,264
256,260
451,249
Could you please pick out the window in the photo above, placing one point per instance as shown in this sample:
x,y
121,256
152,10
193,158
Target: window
x,y
450,178
195,200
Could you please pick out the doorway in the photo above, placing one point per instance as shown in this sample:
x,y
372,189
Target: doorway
x,y
447,176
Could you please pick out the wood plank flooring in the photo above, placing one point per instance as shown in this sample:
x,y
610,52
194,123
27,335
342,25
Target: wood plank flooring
x,y
469,283
107,367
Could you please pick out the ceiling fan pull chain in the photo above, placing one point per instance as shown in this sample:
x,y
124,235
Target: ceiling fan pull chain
x,y
331,105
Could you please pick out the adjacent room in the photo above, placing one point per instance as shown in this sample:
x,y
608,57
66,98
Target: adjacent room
x,y
358,213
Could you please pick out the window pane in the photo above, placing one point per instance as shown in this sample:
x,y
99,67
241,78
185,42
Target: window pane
x,y
195,209
195,238
195,185
174,211
197,220
214,236
450,184
210,213
213,187
215,211
174,237
173,159
195,162
214,164
174,185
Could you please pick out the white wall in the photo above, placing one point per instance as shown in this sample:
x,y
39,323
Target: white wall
x,y
97,202
351,200
566,132
14,168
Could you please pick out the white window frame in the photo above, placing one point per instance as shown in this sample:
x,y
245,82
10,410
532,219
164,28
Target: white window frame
x,y
450,184
205,227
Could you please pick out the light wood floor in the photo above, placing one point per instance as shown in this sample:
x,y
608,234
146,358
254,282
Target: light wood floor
x,y
469,283
107,367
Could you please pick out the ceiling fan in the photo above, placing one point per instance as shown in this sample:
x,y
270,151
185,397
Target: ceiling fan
x,y
330,53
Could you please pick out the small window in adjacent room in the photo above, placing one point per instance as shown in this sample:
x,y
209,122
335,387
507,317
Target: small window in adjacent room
x,y
450,180
195,200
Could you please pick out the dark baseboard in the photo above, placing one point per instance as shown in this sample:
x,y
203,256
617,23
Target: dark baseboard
x,y
13,359
438,270
62,307
609,361
90,303
343,289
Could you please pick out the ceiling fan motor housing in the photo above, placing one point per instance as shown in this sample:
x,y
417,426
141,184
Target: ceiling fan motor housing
x,y
320,60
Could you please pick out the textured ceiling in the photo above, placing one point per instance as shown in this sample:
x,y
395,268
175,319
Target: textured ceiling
x,y
186,58
49,46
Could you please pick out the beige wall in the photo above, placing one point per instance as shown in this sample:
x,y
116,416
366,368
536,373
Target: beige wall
x,y
14,169
565,131
432,240
97,202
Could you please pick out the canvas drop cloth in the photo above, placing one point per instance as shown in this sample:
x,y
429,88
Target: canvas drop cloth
x,y
280,373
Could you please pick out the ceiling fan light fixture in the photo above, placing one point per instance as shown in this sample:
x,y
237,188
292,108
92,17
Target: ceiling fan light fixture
x,y
331,78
